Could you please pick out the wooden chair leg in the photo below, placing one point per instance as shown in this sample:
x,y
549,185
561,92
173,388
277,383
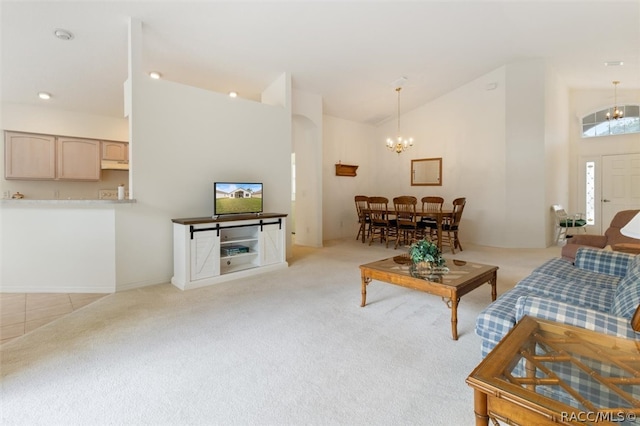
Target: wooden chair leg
x,y
455,234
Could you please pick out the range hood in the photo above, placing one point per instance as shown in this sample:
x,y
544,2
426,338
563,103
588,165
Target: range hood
x,y
114,165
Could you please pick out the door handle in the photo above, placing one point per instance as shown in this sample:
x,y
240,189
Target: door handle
x,y
606,201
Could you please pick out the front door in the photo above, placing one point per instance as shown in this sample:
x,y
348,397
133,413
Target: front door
x,y
620,185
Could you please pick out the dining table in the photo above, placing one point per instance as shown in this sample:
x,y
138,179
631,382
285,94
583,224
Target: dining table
x,y
437,216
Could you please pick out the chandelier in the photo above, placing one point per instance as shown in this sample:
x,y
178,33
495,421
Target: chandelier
x,y
616,112
399,144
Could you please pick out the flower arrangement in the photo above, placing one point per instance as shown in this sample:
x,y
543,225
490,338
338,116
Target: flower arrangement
x,y
426,251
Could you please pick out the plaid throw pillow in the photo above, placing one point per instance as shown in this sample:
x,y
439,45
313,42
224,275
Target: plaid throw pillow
x,y
603,261
627,296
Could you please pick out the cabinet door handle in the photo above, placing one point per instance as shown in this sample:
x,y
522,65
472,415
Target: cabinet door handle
x,y
606,201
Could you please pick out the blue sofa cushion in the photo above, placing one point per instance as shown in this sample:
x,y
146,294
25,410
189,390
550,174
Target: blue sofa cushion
x,y
603,261
561,268
627,296
564,313
592,296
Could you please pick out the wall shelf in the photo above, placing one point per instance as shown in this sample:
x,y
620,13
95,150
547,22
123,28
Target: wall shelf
x,y
346,170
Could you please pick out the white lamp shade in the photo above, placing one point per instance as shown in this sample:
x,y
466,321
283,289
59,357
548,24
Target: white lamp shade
x,y
632,229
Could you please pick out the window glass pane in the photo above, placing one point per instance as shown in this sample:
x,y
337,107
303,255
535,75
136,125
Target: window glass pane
x,y
632,110
589,119
601,116
629,123
588,131
633,124
602,129
590,210
617,127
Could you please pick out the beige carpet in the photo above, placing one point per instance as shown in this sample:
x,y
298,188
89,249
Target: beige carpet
x,y
290,347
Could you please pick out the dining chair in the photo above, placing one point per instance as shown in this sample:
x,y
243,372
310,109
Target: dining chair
x,y
381,223
406,219
429,204
362,204
451,225
566,222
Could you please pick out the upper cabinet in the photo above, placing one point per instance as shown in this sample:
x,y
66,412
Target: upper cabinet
x,y
78,159
29,156
45,157
115,151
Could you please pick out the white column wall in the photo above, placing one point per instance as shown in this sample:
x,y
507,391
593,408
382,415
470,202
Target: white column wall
x,y
525,156
307,145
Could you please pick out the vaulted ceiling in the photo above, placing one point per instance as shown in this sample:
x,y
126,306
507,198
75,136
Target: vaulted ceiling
x,y
350,53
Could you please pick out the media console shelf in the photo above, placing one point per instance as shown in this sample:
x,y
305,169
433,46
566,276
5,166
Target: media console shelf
x,y
209,251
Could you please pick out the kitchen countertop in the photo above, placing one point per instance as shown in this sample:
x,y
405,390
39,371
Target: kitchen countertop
x,y
22,201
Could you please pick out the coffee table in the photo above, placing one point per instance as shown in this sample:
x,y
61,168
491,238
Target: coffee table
x,y
545,373
462,278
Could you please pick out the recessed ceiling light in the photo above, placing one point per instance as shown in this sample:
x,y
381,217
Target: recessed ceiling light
x,y
63,34
613,63
44,95
233,94
155,75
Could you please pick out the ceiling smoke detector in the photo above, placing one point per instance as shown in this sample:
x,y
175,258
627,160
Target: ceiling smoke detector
x,y
63,34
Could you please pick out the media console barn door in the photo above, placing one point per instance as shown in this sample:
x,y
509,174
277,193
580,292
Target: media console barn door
x,y
208,251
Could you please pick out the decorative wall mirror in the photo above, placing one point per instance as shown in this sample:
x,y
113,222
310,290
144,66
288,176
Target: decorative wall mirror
x,y
426,172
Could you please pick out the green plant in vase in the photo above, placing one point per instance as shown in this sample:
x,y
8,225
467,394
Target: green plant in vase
x,y
425,252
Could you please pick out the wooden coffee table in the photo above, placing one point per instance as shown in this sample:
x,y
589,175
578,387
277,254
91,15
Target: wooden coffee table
x,y
462,278
547,373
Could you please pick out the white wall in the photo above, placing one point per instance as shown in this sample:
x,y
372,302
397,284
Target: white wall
x,y
349,143
465,127
183,139
57,249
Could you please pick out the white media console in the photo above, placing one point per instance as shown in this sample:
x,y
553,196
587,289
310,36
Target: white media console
x,y
209,251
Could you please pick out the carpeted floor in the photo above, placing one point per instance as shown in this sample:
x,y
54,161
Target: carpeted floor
x,y
290,347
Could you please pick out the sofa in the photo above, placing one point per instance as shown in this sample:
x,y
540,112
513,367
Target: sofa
x,y
612,238
599,291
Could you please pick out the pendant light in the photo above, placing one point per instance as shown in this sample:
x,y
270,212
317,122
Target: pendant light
x,y
616,112
399,144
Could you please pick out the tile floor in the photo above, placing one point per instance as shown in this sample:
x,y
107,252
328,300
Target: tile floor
x,y
21,313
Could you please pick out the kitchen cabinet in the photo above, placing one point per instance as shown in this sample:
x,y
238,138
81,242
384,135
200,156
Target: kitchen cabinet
x,y
115,151
29,156
78,159
208,251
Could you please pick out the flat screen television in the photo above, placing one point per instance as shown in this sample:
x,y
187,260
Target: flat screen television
x,y
237,198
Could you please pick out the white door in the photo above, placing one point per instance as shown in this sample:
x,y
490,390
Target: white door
x,y
205,255
272,244
620,185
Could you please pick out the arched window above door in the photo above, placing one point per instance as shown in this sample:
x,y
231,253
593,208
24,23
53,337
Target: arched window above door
x,y
596,123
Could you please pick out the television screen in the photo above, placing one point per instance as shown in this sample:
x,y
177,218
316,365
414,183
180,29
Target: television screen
x,y
237,198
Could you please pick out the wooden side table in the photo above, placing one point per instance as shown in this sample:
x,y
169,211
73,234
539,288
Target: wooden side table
x,y
545,373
